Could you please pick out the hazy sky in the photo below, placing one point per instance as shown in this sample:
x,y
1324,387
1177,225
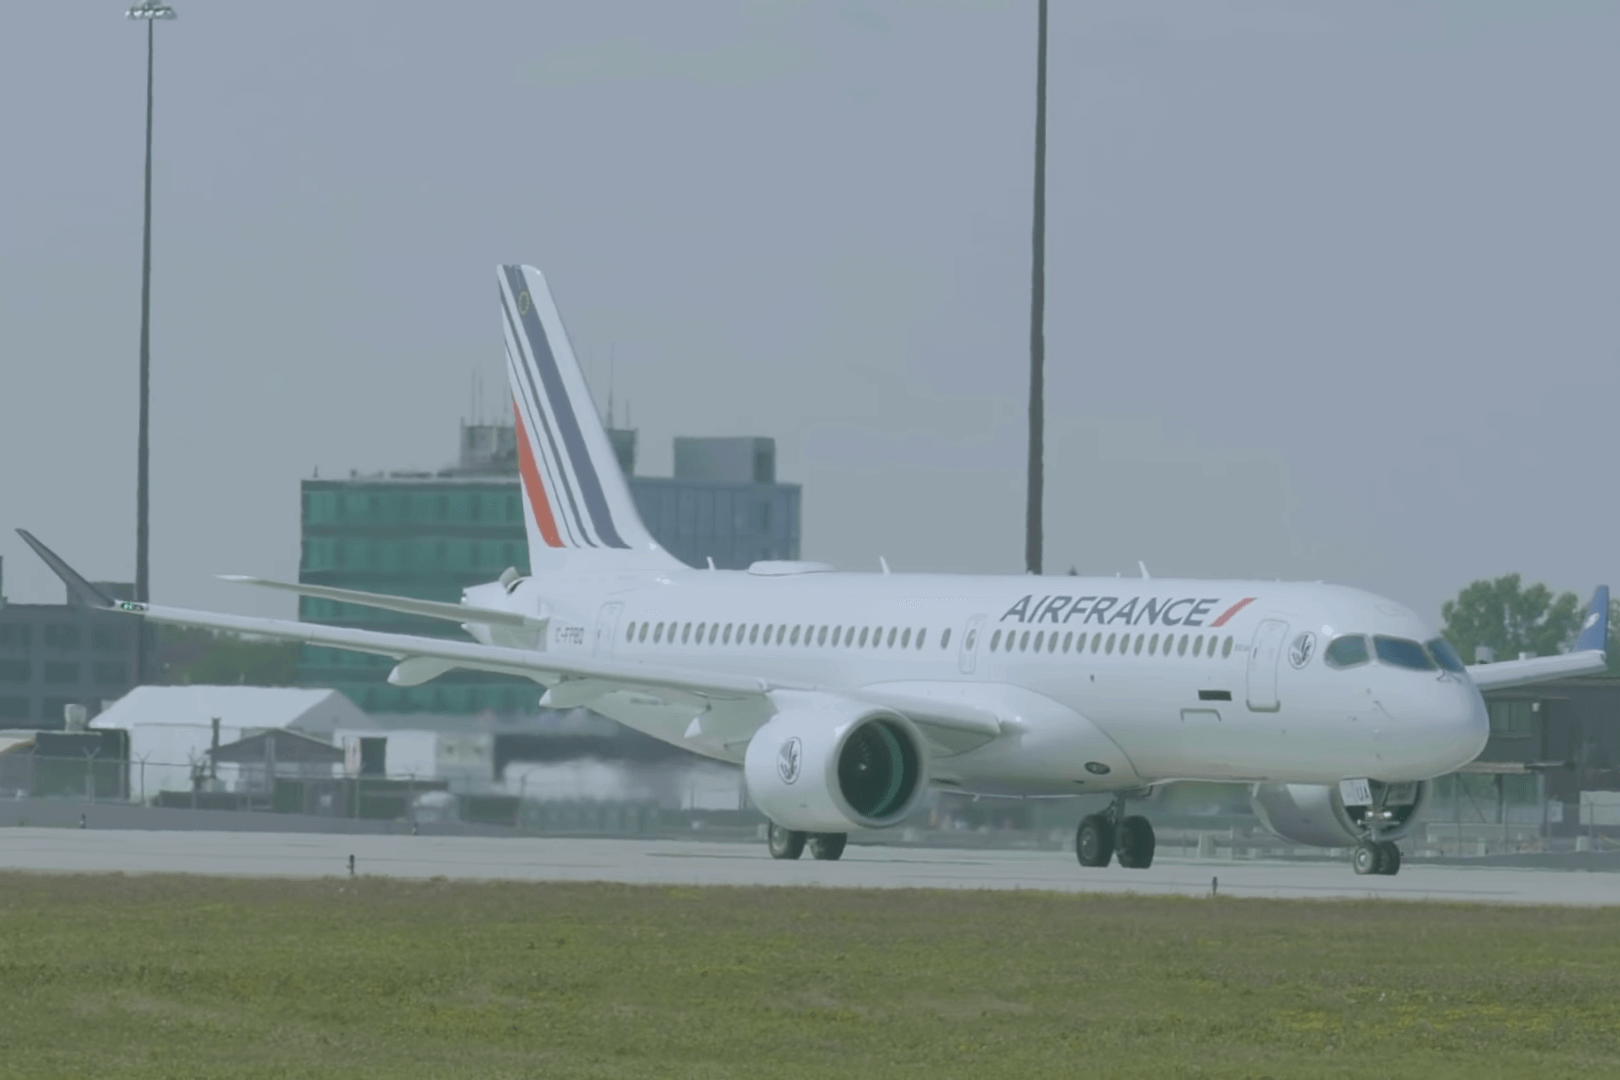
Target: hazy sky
x,y
1331,293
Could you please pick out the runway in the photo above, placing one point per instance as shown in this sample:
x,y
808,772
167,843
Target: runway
x,y
680,862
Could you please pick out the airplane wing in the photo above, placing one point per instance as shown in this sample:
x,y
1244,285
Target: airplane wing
x,y
406,605
1586,658
571,679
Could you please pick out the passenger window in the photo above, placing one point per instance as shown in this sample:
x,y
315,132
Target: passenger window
x,y
1198,646
1080,643
945,639
1181,648
725,636
700,632
1068,639
1040,639
794,640
905,639
821,638
1226,648
1346,652
1153,644
1023,642
1110,647
714,632
643,635
1096,643
753,633
658,634
863,637
922,636
838,632
1401,653
1446,656
995,641
630,634
892,632
1140,638
1051,642
877,637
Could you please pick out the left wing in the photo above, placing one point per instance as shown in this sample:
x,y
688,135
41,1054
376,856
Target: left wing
x,y
572,679
1587,657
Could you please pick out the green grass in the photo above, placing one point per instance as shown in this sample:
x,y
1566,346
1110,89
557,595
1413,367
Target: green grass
x,y
112,976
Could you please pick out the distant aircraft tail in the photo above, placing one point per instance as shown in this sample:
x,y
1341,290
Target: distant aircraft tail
x,y
578,510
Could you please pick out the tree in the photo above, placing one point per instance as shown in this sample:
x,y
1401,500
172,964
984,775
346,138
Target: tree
x,y
1511,619
192,655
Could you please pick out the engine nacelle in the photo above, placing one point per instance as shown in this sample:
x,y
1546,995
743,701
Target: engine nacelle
x,y
1315,814
830,768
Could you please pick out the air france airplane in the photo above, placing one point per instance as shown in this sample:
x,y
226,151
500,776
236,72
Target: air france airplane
x,y
845,697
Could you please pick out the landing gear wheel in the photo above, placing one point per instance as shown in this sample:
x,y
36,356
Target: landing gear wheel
x,y
1094,840
1136,843
785,843
827,846
1368,858
1389,858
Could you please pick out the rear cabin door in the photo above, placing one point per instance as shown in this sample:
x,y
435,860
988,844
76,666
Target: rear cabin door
x,y
607,629
1264,655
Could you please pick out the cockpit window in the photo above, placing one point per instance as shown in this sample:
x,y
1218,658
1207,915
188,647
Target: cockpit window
x,y
1446,656
1347,651
1399,652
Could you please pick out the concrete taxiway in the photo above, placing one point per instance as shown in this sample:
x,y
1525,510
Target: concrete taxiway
x,y
680,862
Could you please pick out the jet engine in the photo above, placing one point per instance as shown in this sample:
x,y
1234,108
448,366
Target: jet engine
x,y
1316,814
830,767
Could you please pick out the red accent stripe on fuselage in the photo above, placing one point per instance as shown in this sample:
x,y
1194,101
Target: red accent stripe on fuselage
x,y
533,485
1231,611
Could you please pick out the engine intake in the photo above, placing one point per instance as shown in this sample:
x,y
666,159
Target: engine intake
x,y
1315,814
830,768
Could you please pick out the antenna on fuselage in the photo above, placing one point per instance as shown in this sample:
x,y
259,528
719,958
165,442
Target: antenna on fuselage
x,y
883,563
1143,565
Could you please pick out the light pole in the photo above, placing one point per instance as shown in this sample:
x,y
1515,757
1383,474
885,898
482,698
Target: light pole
x,y
1033,526
150,11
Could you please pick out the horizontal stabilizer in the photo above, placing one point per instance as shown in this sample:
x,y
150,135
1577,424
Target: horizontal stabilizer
x,y
405,605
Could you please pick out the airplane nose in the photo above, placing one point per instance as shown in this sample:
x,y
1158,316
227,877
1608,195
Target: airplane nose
x,y
1437,729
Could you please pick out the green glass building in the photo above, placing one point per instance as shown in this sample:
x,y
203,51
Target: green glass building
x,y
431,535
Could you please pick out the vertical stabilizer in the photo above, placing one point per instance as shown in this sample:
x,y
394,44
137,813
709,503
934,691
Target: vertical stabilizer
x,y
577,505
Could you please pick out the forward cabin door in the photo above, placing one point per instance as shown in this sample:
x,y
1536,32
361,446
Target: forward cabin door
x,y
968,657
607,629
1264,655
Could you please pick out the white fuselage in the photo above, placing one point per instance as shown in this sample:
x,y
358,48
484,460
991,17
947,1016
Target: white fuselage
x,y
1102,683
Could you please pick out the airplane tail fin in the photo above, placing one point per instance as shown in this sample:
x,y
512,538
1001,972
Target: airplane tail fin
x,y
578,509
1594,633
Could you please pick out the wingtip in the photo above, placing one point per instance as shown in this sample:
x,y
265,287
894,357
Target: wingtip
x,y
87,593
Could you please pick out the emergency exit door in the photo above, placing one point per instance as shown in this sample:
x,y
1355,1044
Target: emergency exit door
x,y
1264,656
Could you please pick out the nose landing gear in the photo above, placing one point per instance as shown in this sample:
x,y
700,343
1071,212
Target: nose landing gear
x,y
1102,836
1376,857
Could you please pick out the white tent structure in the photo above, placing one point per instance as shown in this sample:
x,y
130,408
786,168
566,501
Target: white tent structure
x,y
172,727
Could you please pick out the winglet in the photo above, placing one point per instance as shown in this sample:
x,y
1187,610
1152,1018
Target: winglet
x,y
86,593
1594,634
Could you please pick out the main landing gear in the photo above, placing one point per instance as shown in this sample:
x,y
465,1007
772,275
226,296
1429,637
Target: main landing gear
x,y
1102,836
1377,857
790,844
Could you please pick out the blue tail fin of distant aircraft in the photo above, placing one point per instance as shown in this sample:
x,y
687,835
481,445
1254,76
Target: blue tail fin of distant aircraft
x,y
1594,634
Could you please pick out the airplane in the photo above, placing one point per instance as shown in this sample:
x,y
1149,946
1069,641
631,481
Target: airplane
x,y
847,697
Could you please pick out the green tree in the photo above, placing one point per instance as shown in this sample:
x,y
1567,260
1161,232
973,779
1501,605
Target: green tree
x,y
1511,619
191,655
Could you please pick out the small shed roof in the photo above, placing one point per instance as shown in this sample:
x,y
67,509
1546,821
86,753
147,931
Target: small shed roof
x,y
281,746
313,711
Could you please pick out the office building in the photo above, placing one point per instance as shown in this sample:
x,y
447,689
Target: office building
x,y
431,535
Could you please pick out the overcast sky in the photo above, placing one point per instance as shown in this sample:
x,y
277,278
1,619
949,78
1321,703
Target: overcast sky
x,y
1331,292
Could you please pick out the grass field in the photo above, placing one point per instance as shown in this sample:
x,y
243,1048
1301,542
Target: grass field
x,y
110,976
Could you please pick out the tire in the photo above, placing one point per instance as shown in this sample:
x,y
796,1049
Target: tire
x,y
1367,858
1136,843
1094,841
827,846
1389,862
785,843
